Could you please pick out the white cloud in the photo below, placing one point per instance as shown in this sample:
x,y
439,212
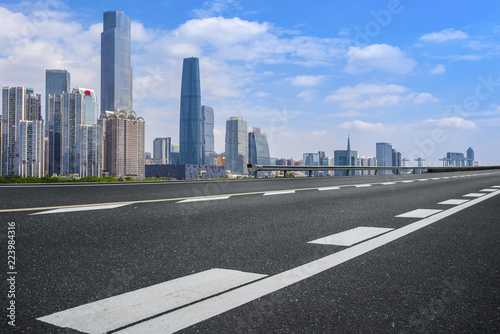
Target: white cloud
x,y
214,8
451,122
439,69
307,80
307,95
380,57
363,126
444,35
376,96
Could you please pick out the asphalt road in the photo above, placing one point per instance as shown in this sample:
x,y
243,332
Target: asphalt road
x,y
437,273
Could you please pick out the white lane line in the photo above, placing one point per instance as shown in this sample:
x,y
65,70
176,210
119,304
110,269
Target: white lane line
x,y
351,237
328,188
423,180
115,312
446,177
436,178
473,195
206,309
495,186
419,213
284,192
81,208
407,181
489,190
203,199
388,183
454,201
363,185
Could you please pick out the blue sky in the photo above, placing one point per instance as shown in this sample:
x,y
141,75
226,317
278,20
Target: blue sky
x,y
423,75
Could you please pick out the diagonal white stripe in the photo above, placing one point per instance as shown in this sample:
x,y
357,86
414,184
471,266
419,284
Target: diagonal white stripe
x,y
81,208
115,312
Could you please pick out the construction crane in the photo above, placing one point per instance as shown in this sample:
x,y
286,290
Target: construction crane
x,y
404,160
420,161
444,160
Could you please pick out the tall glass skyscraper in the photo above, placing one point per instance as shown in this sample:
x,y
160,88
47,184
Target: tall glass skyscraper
x,y
207,134
116,70
384,156
258,148
237,145
470,157
56,83
346,158
191,140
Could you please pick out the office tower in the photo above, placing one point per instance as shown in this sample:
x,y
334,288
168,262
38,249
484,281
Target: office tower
x,y
175,155
124,144
384,156
22,132
258,148
346,158
191,141
161,150
470,156
396,159
116,70
455,159
367,162
207,134
56,83
236,145
74,137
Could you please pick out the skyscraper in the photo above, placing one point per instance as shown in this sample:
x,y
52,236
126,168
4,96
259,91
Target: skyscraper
x,y
116,70
191,122
470,156
346,158
56,83
161,150
236,145
396,159
124,143
258,148
22,132
384,156
74,142
207,133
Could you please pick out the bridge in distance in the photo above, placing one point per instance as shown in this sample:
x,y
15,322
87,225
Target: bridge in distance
x,y
388,253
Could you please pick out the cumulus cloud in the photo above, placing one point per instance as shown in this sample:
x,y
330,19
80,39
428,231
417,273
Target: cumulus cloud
x,y
439,69
443,36
378,57
307,80
363,126
376,96
451,122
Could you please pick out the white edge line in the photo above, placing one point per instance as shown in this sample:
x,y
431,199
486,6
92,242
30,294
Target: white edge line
x,y
203,199
206,309
279,192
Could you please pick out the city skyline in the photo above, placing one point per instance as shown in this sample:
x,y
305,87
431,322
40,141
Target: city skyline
x,y
428,89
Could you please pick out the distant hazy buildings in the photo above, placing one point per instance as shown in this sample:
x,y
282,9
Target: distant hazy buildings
x,y
367,162
116,70
191,122
162,148
346,158
236,145
56,83
22,132
207,133
455,159
124,144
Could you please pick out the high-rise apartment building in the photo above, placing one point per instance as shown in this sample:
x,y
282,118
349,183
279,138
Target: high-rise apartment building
x,y
396,159
56,83
384,156
207,133
22,132
470,156
124,144
74,137
236,145
162,147
116,70
191,122
455,159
